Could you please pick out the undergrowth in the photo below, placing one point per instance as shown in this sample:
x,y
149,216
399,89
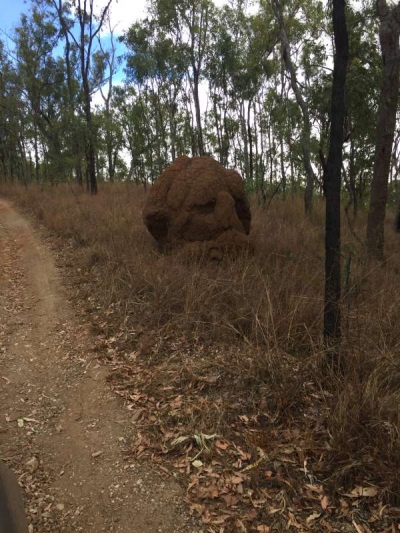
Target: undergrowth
x,y
244,334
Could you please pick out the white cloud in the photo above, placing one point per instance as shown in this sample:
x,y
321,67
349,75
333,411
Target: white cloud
x,y
123,13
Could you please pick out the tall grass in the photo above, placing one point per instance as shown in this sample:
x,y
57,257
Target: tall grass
x,y
253,322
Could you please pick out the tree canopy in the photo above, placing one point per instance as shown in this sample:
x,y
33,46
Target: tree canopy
x,y
251,87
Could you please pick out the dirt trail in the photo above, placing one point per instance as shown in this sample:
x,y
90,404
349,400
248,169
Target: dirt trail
x,y
57,409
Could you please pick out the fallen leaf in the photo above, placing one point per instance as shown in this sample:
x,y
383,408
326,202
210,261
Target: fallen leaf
x,y
312,517
274,510
180,440
219,520
197,463
263,529
293,522
208,492
137,414
176,403
363,492
316,488
250,515
325,503
345,507
230,500
198,508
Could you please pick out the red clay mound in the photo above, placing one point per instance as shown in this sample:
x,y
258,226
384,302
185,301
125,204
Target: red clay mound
x,y
197,200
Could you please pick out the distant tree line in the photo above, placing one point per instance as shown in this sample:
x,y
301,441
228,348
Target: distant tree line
x,y
251,88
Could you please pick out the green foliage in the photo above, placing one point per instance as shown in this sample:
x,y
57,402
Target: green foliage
x,y
249,117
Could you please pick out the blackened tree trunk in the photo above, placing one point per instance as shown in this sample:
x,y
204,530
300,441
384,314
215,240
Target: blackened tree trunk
x,y
91,151
389,33
333,179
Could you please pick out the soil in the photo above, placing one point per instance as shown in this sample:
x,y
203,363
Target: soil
x,y
62,430
197,200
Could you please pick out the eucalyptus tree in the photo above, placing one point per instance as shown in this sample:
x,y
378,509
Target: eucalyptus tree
x,y
220,63
35,39
332,315
106,64
362,96
362,100
134,116
252,68
109,138
237,66
301,101
13,123
389,34
157,62
73,126
188,21
81,14
142,72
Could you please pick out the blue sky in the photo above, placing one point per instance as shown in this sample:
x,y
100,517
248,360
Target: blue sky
x,y
122,16
123,12
10,11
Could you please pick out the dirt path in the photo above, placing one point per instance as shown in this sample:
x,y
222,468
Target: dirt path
x,y
61,428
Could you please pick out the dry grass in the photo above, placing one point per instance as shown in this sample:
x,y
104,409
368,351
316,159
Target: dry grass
x,y
245,334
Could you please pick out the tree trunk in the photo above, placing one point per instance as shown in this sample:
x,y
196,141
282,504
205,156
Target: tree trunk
x,y
198,111
84,43
37,162
352,179
281,134
332,329
283,171
271,151
389,33
306,134
226,137
91,152
243,126
172,127
217,121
